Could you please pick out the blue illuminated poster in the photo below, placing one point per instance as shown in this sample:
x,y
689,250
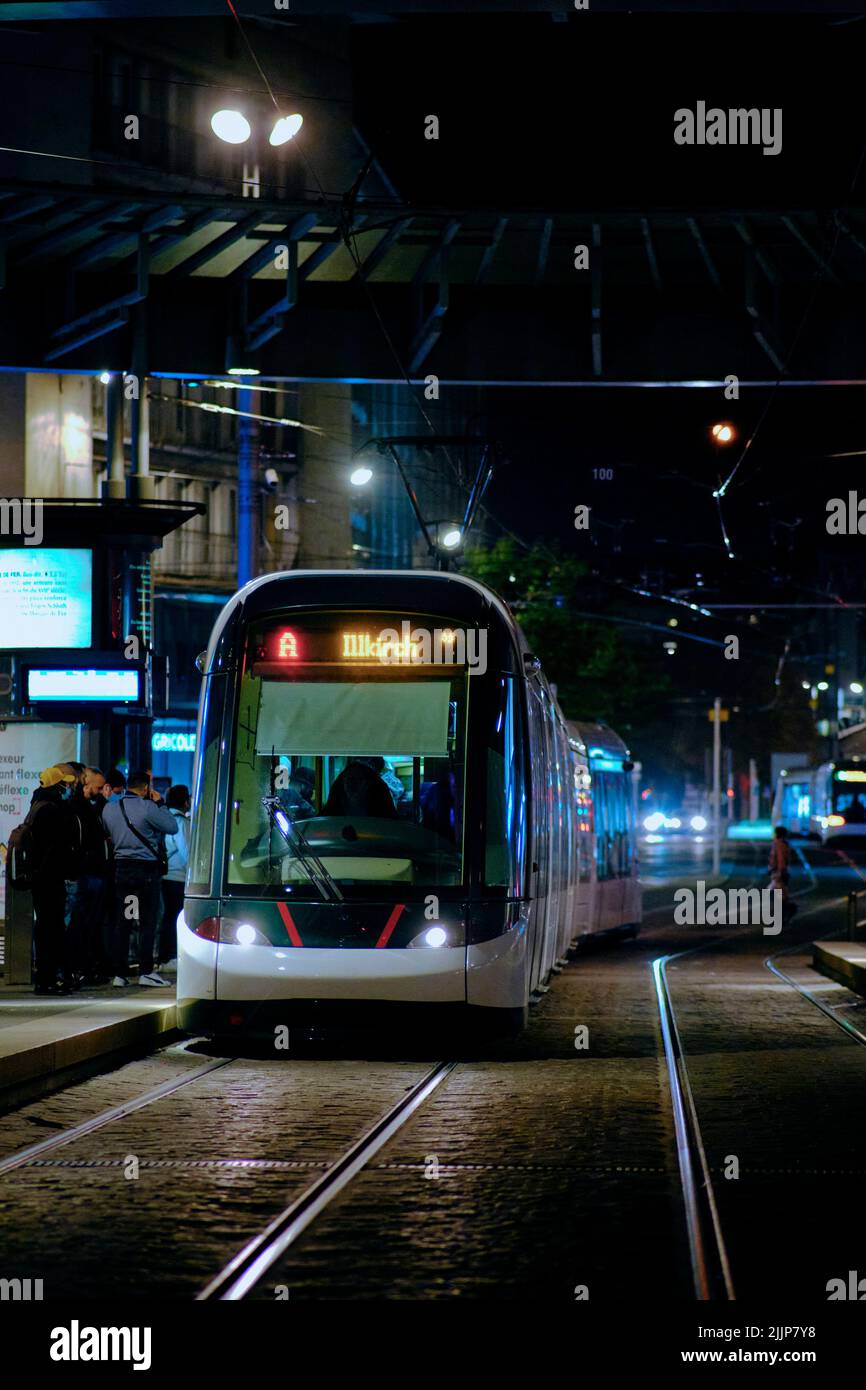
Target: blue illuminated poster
x,y
45,598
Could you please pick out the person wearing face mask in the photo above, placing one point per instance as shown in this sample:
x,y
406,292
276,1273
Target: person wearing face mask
x,y
54,852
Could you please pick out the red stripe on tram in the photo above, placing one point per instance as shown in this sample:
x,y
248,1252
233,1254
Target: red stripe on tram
x,y
289,924
390,925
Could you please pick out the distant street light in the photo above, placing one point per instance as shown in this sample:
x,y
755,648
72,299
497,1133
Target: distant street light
x,y
452,538
359,477
822,685
105,378
856,688
723,433
286,128
231,126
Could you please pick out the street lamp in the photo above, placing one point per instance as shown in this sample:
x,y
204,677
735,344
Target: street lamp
x,y
450,537
723,432
286,129
231,126
359,477
856,688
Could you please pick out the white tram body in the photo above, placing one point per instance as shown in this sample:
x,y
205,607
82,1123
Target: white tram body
x,y
610,894
491,836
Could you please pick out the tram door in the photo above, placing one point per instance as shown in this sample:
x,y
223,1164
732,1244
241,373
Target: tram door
x,y
612,846
541,792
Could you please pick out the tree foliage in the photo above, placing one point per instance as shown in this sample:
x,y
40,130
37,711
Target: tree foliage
x,y
598,674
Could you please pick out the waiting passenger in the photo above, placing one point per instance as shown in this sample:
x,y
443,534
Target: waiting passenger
x,y
115,785
358,791
55,853
87,937
177,849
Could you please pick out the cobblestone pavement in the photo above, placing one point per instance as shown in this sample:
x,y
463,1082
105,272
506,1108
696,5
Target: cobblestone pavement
x,y
536,1169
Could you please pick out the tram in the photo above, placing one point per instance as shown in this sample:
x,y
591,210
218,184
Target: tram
x,y
823,803
390,811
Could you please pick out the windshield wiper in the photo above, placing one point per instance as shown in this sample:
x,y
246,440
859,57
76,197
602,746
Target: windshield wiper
x,y
300,847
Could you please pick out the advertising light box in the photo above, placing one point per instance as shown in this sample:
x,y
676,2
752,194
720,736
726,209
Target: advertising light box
x,y
45,598
117,686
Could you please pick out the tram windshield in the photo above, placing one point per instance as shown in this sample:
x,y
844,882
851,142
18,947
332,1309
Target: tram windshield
x,y
348,771
849,794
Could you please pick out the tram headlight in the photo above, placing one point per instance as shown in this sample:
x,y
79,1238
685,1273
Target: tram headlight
x,y
229,932
436,935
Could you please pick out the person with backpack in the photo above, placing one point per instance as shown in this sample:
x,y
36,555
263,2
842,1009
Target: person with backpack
x,y
137,824
44,852
177,848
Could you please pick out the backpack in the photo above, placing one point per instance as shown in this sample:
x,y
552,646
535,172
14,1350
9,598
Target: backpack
x,y
20,851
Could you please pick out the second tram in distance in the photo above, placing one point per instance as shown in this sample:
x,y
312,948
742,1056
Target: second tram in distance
x,y
390,810
823,803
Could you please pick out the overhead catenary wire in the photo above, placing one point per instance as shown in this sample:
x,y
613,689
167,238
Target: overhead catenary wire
x,y
824,267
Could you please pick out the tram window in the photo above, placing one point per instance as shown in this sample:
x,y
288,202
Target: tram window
x,y
367,766
505,835
850,805
612,841
795,800
600,815
205,791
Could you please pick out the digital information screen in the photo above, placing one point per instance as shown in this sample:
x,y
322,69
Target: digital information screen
x,y
362,640
45,598
119,687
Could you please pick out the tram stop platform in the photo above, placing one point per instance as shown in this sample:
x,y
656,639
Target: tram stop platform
x,y
48,1041
843,961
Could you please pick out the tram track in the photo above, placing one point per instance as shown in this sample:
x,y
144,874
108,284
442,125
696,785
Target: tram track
x,y
856,1034
711,1269
711,1266
323,1181
245,1271
255,1258
107,1117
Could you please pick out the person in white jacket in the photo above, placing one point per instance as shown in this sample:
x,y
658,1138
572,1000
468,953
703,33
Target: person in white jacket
x,y
177,847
